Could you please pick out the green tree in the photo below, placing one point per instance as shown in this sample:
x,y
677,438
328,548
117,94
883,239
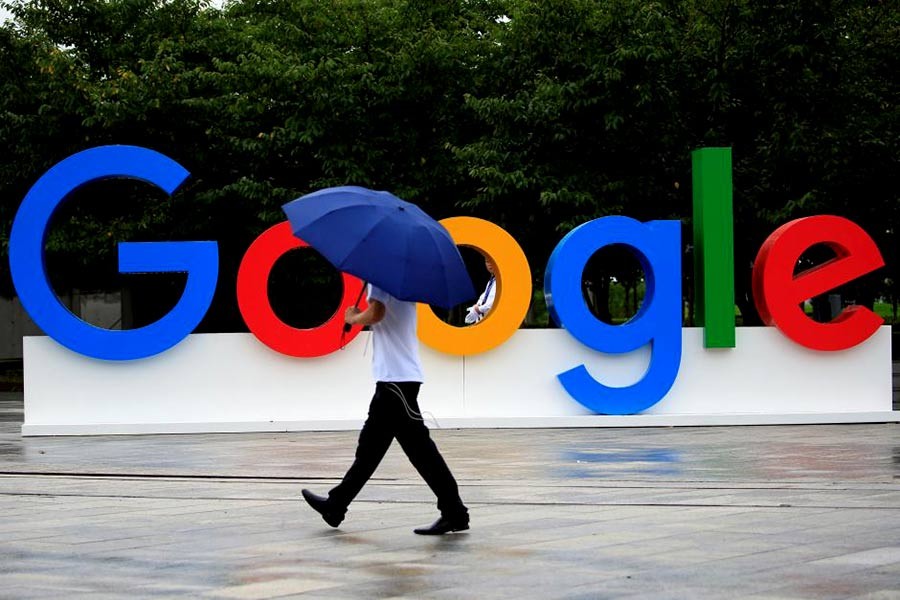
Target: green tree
x,y
262,102
581,119
801,92
537,114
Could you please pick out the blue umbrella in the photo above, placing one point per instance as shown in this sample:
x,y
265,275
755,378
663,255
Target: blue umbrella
x,y
385,241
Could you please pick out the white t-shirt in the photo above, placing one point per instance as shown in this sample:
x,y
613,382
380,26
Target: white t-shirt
x,y
395,345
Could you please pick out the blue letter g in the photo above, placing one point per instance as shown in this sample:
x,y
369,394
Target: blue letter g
x,y
26,257
657,245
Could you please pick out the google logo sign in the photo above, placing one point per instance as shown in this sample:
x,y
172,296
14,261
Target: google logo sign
x,y
778,290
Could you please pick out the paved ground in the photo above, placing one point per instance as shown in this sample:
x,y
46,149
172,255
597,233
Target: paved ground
x,y
755,512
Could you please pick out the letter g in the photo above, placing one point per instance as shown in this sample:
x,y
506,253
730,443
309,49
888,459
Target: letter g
x,y
657,245
29,275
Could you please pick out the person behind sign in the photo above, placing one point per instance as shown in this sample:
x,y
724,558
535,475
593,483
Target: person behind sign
x,y
394,413
485,302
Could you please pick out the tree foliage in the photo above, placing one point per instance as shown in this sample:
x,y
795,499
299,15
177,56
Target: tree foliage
x,y
537,114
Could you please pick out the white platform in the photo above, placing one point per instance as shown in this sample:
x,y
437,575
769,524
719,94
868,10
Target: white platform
x,y
233,383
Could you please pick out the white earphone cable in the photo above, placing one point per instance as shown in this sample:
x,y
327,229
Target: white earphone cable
x,y
409,411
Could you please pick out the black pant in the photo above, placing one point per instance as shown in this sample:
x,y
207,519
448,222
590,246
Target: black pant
x,y
389,419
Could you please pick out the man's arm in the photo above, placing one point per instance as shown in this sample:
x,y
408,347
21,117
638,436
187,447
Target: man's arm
x,y
482,308
373,314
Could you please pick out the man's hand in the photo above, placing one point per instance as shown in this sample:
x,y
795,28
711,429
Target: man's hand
x,y
350,315
373,314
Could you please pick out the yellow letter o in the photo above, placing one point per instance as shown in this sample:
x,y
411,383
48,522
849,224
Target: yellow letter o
x,y
513,295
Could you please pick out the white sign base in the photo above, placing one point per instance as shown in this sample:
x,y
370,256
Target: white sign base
x,y
230,382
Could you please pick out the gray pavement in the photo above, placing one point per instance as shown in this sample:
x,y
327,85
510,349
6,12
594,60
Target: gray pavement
x,y
720,512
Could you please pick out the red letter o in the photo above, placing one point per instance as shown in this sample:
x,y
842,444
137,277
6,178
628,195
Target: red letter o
x,y
253,300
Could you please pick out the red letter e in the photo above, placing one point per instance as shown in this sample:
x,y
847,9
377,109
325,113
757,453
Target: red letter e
x,y
778,294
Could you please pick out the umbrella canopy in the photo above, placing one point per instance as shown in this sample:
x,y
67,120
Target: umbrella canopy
x,y
384,240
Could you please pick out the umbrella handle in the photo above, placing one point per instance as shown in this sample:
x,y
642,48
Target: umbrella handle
x,y
348,326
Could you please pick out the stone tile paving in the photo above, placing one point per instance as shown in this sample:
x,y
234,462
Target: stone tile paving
x,y
740,512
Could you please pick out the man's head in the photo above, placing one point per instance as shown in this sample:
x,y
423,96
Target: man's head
x,y
490,266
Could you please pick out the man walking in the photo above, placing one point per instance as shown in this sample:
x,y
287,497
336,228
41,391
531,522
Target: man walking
x,y
394,413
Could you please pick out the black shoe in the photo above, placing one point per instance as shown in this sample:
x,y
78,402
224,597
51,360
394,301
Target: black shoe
x,y
445,525
322,506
